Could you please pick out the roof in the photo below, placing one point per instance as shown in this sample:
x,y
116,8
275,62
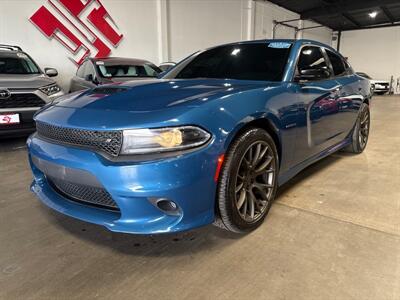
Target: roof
x,y
120,60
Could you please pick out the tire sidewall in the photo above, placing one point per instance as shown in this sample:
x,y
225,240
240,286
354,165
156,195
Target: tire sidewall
x,y
356,135
226,185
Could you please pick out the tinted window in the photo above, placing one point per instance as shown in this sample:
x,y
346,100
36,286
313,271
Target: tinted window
x,y
89,69
126,70
311,57
263,61
337,63
347,66
18,64
81,70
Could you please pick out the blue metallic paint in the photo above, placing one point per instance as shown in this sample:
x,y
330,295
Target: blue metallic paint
x,y
310,121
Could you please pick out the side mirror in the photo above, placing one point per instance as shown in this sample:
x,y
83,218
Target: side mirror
x,y
51,72
313,74
90,78
166,66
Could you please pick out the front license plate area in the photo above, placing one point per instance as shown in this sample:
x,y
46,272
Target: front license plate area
x,y
9,119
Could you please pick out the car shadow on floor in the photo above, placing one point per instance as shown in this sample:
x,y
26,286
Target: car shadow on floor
x,y
174,244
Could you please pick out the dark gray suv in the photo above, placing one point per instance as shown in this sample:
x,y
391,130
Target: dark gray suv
x,y
24,88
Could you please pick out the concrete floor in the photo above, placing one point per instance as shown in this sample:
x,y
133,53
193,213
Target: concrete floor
x,y
333,233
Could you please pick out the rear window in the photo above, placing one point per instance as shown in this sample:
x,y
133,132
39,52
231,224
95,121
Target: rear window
x,y
259,61
18,64
126,70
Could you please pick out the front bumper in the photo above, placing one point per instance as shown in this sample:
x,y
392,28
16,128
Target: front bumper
x,y
187,180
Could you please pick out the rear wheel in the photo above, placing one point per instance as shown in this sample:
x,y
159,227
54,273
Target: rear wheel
x,y
361,131
248,181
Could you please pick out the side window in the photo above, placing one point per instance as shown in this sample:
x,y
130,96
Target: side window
x,y
347,66
337,63
81,70
88,69
311,57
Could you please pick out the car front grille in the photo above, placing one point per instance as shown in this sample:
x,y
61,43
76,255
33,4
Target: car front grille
x,y
82,193
109,142
22,100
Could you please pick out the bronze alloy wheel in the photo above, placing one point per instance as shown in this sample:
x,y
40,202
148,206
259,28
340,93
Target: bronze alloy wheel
x,y
255,181
247,182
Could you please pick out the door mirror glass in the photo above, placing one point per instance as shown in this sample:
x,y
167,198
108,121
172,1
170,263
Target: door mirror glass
x,y
51,72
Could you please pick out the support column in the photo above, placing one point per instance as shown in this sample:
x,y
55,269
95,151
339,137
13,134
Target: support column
x,y
163,31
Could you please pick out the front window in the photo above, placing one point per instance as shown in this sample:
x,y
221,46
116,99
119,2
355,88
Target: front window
x,y
126,70
19,64
258,61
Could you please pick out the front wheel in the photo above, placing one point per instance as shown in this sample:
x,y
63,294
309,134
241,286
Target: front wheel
x,y
361,131
248,181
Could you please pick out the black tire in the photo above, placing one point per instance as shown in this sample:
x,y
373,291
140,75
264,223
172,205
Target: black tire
x,y
361,131
248,155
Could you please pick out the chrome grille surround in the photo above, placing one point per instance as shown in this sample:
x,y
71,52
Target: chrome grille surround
x,y
109,142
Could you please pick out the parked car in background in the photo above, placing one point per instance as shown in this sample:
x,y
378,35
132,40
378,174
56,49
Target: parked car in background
x,y
98,71
210,142
165,66
379,87
24,88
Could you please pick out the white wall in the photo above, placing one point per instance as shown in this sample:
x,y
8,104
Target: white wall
x,y
156,30
374,51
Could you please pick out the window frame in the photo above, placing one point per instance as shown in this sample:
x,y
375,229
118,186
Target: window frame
x,y
322,49
345,72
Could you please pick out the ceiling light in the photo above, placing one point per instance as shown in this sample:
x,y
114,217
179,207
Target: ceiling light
x,y
373,14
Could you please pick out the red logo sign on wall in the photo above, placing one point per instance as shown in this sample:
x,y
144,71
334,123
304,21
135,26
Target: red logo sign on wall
x,y
82,26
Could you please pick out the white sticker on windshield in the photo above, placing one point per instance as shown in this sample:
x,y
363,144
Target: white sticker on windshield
x,y
279,45
100,63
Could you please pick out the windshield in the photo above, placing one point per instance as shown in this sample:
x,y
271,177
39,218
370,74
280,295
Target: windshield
x,y
127,70
259,61
20,64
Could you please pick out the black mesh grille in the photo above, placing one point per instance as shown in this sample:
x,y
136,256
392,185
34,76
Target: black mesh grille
x,y
109,142
22,100
83,193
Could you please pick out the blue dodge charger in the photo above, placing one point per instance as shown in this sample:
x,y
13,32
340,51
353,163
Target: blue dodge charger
x,y
209,142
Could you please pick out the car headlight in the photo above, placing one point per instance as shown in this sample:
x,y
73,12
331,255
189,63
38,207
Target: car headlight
x,y
144,141
50,89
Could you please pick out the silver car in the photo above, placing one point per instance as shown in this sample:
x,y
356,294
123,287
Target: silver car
x,y
24,88
99,71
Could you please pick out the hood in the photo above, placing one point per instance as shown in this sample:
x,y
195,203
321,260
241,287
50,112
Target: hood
x,y
155,95
28,81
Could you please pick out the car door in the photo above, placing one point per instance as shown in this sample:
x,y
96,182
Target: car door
x,y
350,94
84,78
318,103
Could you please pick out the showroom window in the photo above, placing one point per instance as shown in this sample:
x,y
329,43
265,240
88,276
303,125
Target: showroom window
x,y
337,63
311,57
